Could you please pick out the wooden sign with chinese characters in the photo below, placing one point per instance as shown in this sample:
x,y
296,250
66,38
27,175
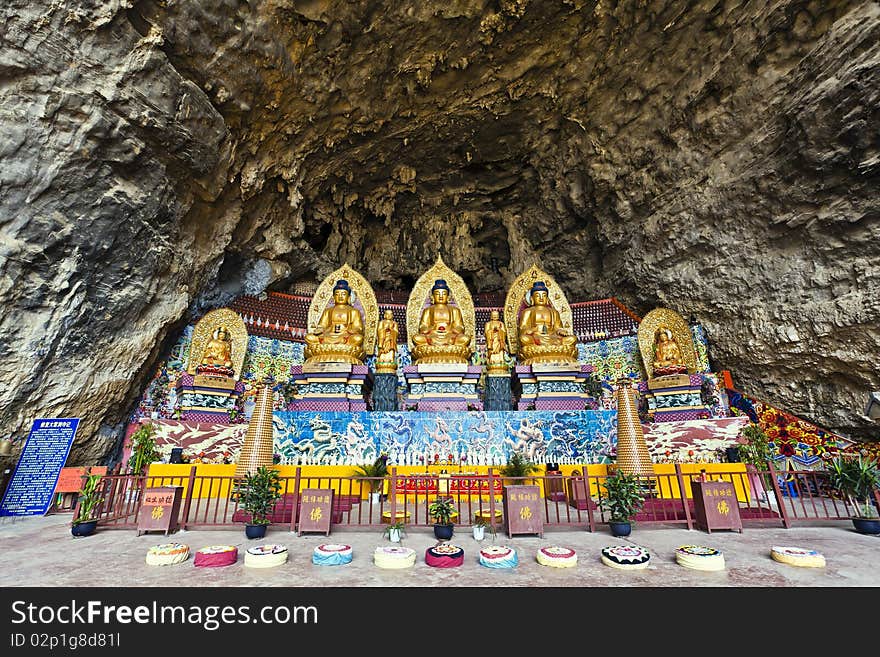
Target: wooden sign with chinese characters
x,y
522,510
314,515
159,509
716,506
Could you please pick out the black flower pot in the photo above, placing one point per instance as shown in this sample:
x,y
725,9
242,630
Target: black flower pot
x,y
867,525
84,528
255,531
443,532
620,528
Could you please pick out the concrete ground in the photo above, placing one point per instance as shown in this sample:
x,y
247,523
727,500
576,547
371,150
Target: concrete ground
x,y
41,552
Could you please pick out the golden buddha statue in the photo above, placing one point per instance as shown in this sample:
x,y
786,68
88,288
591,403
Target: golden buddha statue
x,y
338,336
667,355
542,338
496,344
386,344
217,355
442,337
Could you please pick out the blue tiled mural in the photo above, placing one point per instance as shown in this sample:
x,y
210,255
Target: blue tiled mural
x,y
473,437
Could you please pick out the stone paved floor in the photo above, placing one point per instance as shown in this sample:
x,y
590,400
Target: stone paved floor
x,y
41,552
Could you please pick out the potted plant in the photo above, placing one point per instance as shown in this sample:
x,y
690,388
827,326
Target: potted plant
x,y
375,472
518,465
143,449
480,526
91,494
755,452
857,478
395,531
442,511
622,499
257,497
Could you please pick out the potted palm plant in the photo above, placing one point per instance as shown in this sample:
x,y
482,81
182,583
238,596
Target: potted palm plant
x,y
755,452
480,526
395,531
257,497
623,499
442,510
518,465
857,478
91,494
143,449
375,473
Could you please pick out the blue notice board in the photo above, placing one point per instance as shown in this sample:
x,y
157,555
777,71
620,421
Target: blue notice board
x,y
30,490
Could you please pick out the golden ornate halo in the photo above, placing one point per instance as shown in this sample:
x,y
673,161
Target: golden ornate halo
x,y
518,293
205,329
680,333
361,291
420,297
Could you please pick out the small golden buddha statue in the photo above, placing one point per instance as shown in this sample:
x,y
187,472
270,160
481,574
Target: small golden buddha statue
x,y
496,344
542,337
386,344
441,337
338,337
217,355
667,355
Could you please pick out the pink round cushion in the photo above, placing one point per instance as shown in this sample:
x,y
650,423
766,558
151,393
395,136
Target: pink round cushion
x,y
444,556
216,555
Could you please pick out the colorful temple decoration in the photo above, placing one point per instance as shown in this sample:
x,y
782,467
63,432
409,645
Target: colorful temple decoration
x,y
798,443
418,438
692,441
612,359
701,347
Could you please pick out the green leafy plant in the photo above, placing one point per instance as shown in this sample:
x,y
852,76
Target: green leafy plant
x,y
623,497
91,494
756,450
480,521
259,494
856,478
518,465
399,526
375,472
442,510
143,449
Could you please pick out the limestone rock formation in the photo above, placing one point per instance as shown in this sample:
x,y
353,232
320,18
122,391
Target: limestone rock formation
x,y
158,158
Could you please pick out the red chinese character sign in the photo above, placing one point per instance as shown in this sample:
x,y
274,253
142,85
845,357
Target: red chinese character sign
x,y
716,506
159,509
522,510
315,508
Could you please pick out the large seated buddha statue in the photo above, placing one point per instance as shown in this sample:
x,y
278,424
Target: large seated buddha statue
x,y
338,335
667,355
440,319
542,337
218,345
666,344
442,336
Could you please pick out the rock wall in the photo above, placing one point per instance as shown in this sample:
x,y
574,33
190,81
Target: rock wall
x,y
158,158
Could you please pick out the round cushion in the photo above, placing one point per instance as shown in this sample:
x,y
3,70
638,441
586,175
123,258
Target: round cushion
x,y
167,554
796,556
626,557
557,557
498,556
216,555
444,555
699,557
394,557
265,556
332,554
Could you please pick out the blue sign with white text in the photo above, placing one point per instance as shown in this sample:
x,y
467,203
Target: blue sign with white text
x,y
30,490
